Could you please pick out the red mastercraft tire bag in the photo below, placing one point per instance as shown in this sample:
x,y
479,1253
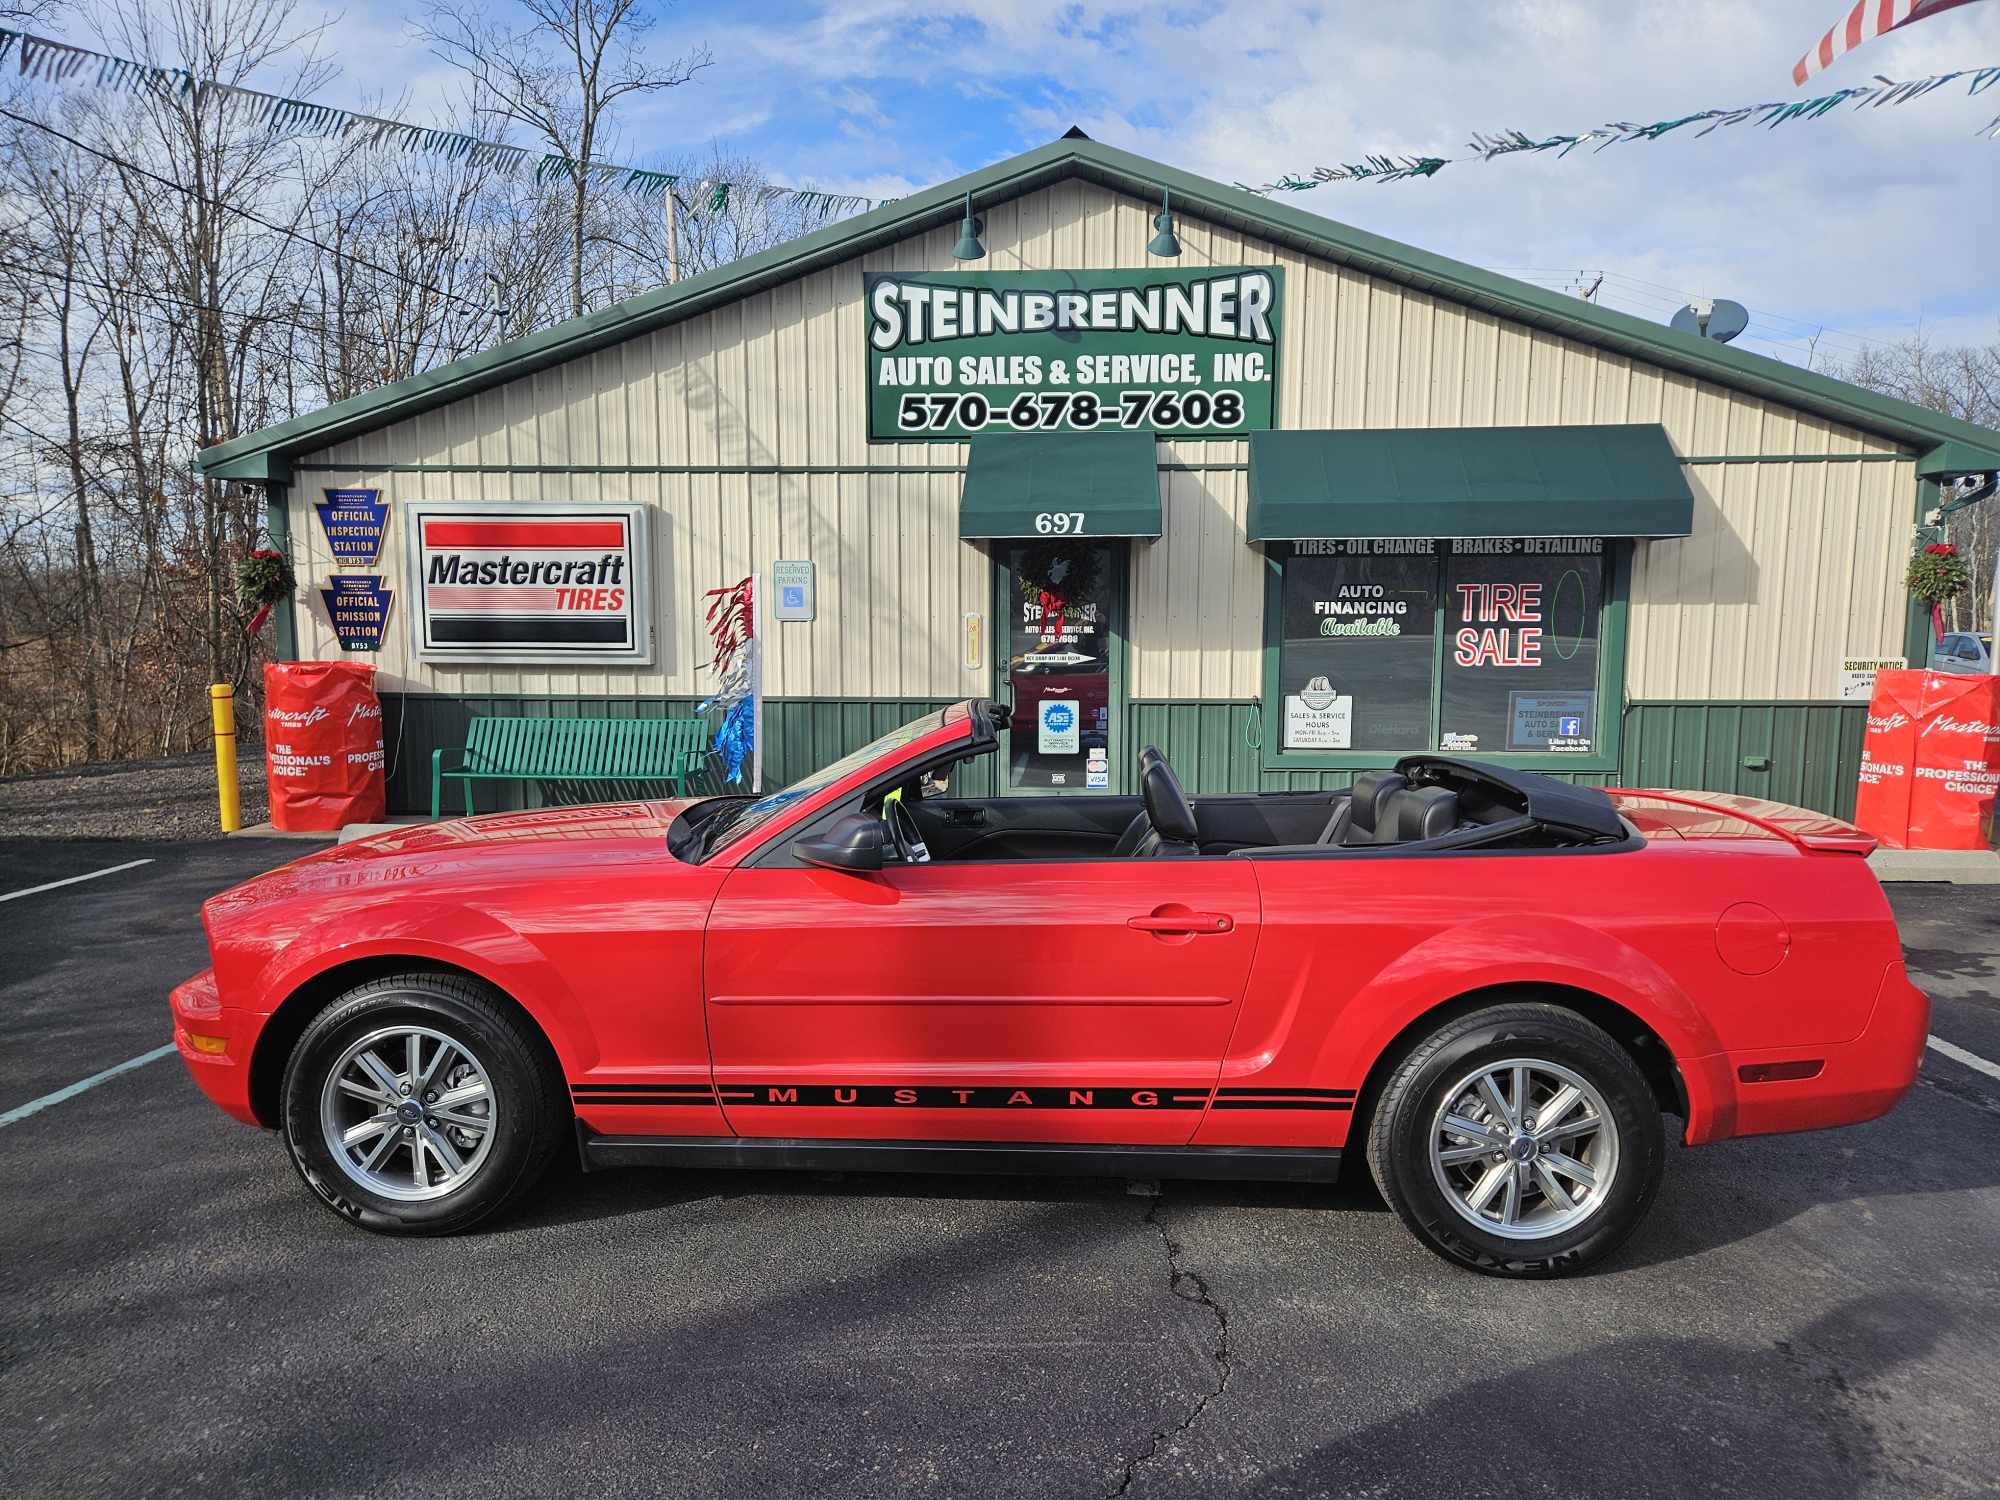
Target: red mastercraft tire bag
x,y
1930,761
323,745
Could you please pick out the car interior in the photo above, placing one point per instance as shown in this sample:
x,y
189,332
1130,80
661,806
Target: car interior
x,y
1423,803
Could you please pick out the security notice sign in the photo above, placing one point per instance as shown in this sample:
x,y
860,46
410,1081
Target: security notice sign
x,y
534,583
1188,352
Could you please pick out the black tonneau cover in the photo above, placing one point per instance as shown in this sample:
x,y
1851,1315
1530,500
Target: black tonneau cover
x,y
1581,810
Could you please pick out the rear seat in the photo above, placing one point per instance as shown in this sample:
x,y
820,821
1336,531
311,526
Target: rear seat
x,y
1418,812
1356,819
1386,809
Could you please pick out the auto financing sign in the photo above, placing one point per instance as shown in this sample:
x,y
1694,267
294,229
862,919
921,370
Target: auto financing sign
x,y
1186,352
530,583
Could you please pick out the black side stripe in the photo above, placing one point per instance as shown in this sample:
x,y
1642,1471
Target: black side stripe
x,y
933,1096
1335,1104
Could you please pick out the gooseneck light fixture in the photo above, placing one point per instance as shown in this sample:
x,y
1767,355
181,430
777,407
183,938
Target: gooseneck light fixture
x,y
1164,243
969,246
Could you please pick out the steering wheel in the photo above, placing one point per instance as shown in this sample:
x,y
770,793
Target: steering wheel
x,y
903,835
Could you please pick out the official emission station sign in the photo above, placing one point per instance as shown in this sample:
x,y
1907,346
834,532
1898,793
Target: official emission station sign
x,y
1181,352
530,583
357,606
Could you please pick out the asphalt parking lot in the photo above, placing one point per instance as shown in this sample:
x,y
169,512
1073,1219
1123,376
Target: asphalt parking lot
x,y
1809,1315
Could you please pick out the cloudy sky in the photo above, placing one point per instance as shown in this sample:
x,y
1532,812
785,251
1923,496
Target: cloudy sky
x,y
1859,226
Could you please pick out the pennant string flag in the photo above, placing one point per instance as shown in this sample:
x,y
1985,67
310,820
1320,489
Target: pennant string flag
x,y
43,60
1484,147
1868,20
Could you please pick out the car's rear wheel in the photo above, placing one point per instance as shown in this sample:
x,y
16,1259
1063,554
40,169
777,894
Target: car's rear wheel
x,y
420,1104
1518,1140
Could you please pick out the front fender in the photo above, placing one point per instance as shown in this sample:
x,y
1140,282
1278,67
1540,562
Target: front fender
x,y
1490,952
441,932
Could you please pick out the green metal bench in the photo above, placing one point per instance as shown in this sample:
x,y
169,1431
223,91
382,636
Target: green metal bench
x,y
565,755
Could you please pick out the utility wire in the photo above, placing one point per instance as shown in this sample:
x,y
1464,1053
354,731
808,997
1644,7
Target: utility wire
x,y
297,234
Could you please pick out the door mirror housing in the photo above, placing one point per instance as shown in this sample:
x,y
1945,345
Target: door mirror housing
x,y
854,842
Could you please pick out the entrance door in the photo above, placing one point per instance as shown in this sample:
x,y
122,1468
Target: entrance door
x,y
1061,615
1062,1000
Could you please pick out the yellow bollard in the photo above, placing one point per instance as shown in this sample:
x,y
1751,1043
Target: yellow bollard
x,y
222,704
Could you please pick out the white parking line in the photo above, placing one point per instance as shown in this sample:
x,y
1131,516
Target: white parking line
x,y
35,1106
34,890
1958,1054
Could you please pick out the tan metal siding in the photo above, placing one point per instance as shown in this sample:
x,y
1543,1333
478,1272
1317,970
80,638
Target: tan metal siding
x,y
777,381
1790,567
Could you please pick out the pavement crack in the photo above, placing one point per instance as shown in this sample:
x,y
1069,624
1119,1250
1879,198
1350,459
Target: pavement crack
x,y
1189,1286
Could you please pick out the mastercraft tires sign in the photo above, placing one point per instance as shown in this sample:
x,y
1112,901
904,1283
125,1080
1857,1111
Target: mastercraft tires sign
x,y
531,583
1184,353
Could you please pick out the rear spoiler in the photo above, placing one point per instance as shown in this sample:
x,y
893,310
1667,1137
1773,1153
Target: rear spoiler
x,y
1798,826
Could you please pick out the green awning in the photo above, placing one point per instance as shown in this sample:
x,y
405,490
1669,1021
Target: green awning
x,y
1957,458
1468,481
1061,483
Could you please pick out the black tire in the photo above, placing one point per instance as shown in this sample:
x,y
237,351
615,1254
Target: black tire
x,y
526,1089
1399,1137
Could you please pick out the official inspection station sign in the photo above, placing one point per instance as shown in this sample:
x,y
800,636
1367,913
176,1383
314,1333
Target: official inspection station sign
x,y
1184,352
530,583
354,522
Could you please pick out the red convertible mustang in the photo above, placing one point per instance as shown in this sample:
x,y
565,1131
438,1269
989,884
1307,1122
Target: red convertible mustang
x,y
1490,984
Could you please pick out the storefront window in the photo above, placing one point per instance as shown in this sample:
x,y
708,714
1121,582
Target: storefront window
x,y
1062,596
1486,646
1520,665
1360,626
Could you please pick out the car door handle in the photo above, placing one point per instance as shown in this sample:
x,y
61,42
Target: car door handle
x,y
965,817
1194,923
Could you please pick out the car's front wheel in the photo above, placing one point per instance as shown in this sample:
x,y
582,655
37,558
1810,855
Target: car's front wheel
x,y
420,1104
1518,1140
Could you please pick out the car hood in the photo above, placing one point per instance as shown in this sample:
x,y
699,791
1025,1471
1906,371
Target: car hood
x,y
464,855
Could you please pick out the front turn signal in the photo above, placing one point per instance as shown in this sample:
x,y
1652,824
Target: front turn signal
x,y
209,1044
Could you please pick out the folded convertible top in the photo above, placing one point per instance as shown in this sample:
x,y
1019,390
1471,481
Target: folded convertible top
x,y
1581,810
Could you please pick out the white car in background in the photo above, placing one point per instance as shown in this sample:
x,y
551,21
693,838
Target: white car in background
x,y
1963,651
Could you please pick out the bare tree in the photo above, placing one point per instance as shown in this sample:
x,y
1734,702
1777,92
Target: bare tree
x,y
1963,381
560,78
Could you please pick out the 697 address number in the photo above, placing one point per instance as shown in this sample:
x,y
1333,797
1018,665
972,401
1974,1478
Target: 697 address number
x,y
1080,411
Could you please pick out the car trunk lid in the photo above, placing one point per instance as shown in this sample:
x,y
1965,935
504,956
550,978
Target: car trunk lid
x,y
1726,815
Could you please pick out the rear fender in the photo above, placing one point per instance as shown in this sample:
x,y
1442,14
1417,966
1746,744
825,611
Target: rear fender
x,y
1488,953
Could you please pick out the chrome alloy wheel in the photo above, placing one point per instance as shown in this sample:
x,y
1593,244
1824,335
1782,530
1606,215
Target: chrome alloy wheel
x,y
1524,1148
408,1112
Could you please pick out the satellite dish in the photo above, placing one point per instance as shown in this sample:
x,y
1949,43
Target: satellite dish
x,y
1717,318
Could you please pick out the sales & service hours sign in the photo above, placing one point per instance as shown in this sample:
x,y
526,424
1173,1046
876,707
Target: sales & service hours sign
x,y
1181,352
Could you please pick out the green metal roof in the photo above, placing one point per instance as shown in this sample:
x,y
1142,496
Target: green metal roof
x,y
1061,483
1613,480
263,455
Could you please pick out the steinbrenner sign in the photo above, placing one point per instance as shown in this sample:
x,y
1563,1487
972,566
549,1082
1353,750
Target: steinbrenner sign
x,y
1186,352
530,583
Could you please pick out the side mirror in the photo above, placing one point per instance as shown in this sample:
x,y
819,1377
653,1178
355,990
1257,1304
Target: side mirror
x,y
852,843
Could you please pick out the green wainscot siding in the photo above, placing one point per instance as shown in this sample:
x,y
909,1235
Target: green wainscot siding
x,y
1805,753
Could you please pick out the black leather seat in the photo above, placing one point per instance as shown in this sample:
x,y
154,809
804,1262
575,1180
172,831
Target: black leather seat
x,y
1136,830
1172,832
1417,812
1356,820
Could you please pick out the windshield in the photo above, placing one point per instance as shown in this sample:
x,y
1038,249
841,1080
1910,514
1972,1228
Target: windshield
x,y
745,818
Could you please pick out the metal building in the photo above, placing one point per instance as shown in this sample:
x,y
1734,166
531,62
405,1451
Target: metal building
x,y
1290,502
